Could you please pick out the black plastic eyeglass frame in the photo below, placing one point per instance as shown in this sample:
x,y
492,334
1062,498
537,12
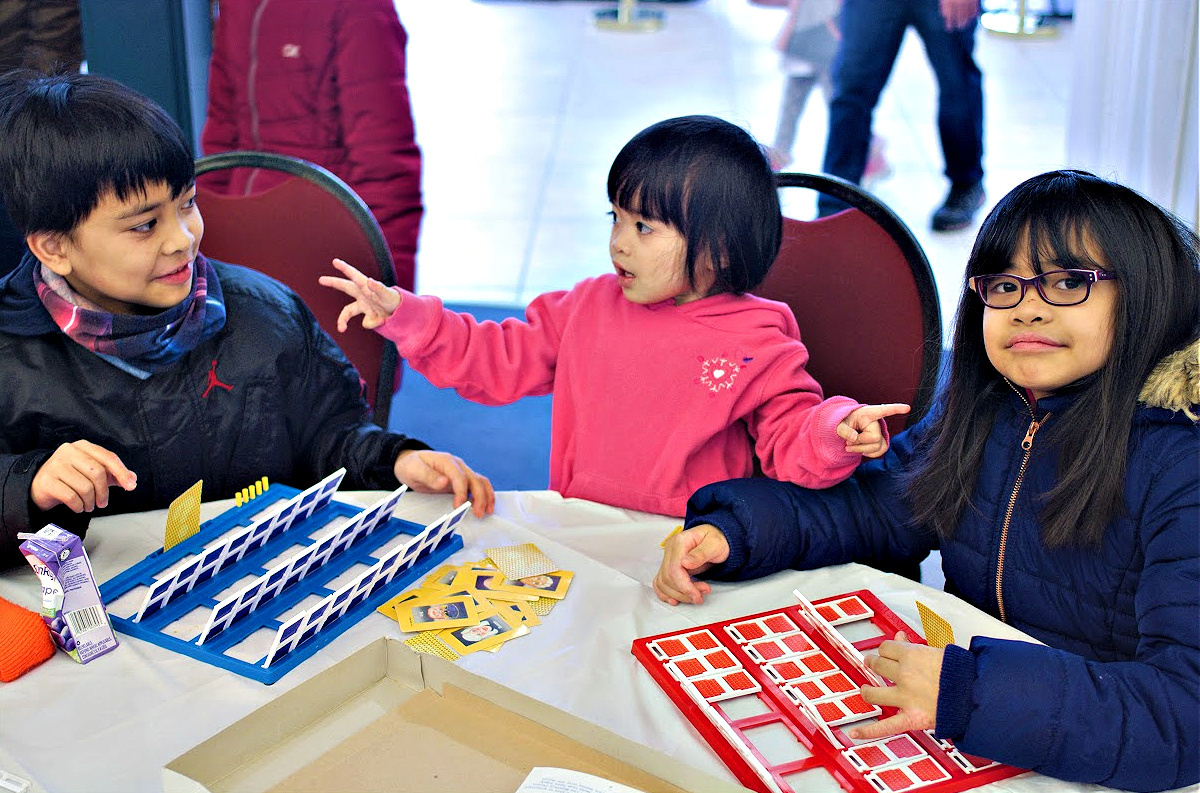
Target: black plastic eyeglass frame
x,y
979,285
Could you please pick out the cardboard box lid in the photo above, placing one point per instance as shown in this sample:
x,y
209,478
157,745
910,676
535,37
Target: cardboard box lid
x,y
387,718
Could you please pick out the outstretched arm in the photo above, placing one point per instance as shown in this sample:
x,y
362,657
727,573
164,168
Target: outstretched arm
x,y
370,299
864,431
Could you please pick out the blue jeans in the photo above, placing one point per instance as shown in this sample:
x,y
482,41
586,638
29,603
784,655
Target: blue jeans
x,y
872,31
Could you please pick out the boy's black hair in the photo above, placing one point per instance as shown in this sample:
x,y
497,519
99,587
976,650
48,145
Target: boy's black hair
x,y
710,180
1059,217
68,140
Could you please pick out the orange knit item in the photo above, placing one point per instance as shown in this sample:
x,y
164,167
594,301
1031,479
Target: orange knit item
x,y
24,641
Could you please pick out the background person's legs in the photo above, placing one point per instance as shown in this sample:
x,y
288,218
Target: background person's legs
x,y
871,37
960,113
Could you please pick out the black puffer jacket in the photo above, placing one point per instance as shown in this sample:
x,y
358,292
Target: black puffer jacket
x,y
288,406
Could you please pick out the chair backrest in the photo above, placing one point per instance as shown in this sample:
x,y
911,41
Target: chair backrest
x,y
864,296
291,231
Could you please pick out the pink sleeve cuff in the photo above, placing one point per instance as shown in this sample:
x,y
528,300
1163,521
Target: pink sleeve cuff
x,y
413,323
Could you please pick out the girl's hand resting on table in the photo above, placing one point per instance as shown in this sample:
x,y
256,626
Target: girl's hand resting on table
x,y
915,669
427,471
686,554
863,432
78,475
374,301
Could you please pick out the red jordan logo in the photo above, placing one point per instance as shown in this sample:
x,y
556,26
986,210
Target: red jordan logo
x,y
213,381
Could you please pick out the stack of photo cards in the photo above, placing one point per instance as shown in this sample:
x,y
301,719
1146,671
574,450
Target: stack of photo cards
x,y
480,605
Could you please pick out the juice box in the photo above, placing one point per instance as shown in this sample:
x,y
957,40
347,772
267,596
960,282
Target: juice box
x,y
71,604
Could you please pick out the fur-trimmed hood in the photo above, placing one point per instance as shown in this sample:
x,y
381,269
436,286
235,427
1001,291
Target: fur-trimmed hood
x,y
1175,382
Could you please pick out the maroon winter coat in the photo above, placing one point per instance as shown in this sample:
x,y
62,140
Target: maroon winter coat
x,y
323,80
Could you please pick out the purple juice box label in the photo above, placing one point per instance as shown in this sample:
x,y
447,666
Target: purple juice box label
x,y
71,605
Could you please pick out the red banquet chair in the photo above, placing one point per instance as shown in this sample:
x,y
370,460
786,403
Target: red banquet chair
x,y
291,231
864,296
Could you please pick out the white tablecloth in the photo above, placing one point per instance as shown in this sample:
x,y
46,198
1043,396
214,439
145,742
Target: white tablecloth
x,y
112,724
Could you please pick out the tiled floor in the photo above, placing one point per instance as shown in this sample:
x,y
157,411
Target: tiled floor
x,y
521,106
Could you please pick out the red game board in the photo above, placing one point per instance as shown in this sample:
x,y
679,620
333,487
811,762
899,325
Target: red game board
x,y
793,667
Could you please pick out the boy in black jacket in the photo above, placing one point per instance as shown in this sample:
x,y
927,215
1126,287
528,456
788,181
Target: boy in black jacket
x,y
132,366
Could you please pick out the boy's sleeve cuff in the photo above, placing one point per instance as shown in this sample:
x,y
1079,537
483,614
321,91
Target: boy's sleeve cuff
x,y
954,692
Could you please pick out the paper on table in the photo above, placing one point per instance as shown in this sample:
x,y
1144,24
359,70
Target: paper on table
x,y
564,780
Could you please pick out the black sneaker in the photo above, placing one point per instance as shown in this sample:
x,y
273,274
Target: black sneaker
x,y
959,208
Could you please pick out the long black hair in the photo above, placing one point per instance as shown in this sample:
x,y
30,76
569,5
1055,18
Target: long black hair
x,y
1060,216
710,180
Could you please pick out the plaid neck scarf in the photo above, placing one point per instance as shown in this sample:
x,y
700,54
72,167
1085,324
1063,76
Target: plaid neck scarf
x,y
139,344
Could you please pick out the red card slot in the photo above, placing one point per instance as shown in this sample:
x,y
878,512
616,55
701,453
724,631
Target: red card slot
x,y
817,662
702,640
904,746
709,688
830,711
927,770
810,690
852,606
739,681
750,630
720,660
872,756
797,643
768,651
837,683
857,704
779,624
894,778
690,667
788,670
672,647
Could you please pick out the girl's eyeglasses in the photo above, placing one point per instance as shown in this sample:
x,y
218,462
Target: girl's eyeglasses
x,y
1056,287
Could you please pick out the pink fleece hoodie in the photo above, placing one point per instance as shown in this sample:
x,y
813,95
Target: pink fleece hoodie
x,y
650,402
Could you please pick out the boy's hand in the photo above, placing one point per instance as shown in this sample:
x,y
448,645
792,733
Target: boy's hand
x,y
427,471
78,475
863,432
916,670
374,301
685,554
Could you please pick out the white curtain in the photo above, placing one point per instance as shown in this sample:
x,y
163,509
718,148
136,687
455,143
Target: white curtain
x,y
1133,100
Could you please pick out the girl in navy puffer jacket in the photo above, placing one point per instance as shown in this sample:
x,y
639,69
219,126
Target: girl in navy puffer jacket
x,y
1075,339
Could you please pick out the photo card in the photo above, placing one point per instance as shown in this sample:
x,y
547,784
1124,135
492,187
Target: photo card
x,y
437,614
548,585
491,583
490,631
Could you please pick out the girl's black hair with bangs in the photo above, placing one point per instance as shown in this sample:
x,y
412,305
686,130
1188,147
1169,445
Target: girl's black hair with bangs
x,y
68,140
710,180
1059,217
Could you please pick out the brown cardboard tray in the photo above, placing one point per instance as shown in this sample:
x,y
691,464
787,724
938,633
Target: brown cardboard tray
x,y
389,719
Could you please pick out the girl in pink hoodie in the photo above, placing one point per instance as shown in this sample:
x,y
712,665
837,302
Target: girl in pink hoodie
x,y
666,374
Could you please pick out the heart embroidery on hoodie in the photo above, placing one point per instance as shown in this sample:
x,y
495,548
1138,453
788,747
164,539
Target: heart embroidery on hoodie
x,y
718,373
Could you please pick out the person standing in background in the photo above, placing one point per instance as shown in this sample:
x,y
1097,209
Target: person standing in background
x,y
807,43
871,36
323,80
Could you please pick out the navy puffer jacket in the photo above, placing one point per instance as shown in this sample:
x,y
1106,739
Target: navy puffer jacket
x,y
1114,696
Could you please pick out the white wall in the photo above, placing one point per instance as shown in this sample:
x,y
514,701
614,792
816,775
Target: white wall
x,y
1133,100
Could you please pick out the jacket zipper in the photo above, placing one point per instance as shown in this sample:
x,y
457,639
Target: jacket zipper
x,y
1027,446
251,93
